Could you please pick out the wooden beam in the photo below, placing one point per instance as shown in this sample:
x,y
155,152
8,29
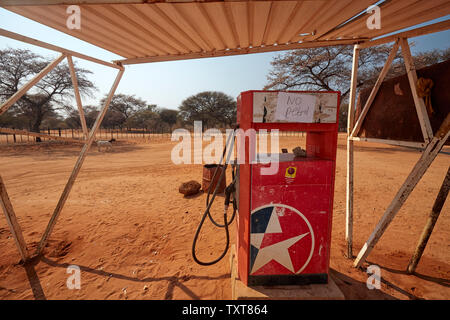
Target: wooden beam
x,y
77,167
432,28
233,52
18,37
395,16
421,109
429,154
431,222
16,96
77,96
411,14
400,143
14,226
375,89
349,179
35,134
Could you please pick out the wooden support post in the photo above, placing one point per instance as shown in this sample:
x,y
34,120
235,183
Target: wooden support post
x,y
12,221
428,155
349,188
77,168
375,89
431,28
411,144
13,99
421,109
76,90
18,37
432,219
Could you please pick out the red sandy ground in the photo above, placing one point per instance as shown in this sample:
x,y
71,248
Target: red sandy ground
x,y
130,231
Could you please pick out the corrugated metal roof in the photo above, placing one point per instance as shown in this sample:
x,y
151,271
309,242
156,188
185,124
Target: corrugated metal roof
x,y
173,30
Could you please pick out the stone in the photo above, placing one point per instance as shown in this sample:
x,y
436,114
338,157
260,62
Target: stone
x,y
299,152
190,188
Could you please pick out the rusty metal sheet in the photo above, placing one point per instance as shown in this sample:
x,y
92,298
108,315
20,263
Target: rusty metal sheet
x,y
393,115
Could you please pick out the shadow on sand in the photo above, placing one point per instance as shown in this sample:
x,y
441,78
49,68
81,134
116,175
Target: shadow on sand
x,y
174,281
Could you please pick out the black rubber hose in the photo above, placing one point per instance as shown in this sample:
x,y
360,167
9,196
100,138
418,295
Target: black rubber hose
x,y
208,207
224,168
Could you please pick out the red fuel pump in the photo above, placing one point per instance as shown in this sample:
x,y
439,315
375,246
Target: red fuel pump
x,y
284,219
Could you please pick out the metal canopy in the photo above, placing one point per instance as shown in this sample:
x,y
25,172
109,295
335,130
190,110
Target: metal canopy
x,y
150,31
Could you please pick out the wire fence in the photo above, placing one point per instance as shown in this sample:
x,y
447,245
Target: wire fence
x,y
22,136
144,135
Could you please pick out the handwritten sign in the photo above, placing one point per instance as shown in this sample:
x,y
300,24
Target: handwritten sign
x,y
295,107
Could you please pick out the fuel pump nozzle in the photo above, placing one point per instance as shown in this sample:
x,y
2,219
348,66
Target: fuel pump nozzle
x,y
229,190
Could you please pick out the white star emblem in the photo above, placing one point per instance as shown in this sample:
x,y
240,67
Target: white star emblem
x,y
278,252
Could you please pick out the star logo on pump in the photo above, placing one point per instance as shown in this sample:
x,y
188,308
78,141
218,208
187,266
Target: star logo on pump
x,y
281,240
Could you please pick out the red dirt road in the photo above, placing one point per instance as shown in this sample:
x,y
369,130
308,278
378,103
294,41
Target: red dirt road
x,y
130,231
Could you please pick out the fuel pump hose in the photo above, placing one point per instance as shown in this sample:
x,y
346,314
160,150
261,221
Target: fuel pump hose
x,y
229,192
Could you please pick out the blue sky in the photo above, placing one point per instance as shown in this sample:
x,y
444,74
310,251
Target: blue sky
x,y
167,84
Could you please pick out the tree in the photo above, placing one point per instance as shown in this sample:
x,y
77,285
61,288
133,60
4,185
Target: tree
x,y
145,118
421,60
121,108
329,68
211,107
52,93
73,118
169,116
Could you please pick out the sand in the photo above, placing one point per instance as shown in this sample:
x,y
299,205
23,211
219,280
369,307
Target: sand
x,y
130,231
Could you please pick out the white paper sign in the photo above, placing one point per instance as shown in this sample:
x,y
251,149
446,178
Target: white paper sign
x,y
295,107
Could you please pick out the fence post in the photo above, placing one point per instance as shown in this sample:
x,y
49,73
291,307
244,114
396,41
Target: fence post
x,y
14,136
59,132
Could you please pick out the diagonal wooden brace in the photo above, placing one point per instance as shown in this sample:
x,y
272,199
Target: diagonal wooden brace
x,y
12,221
432,219
15,97
428,155
76,90
421,109
77,168
375,89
